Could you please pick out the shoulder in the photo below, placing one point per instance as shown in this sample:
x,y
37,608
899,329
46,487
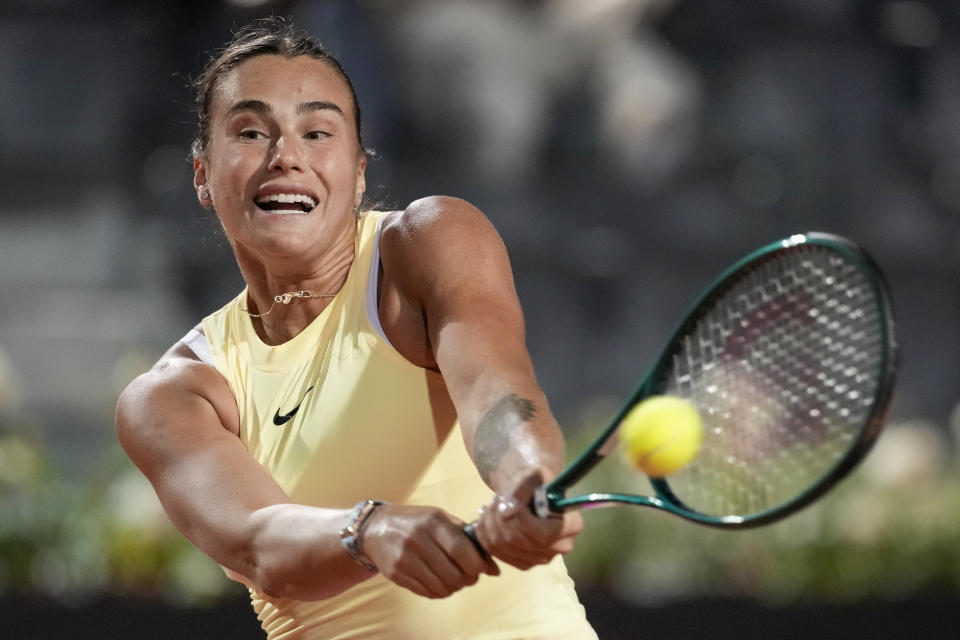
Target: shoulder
x,y
179,366
442,254
438,231
177,377
432,218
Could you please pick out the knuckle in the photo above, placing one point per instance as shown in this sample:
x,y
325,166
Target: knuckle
x,y
513,537
432,515
410,545
403,565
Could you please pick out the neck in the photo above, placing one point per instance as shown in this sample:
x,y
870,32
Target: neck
x,y
322,278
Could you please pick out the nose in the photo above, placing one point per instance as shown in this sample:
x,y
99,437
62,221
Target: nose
x,y
285,156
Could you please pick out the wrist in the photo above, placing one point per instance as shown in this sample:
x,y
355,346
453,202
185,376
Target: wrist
x,y
509,479
351,534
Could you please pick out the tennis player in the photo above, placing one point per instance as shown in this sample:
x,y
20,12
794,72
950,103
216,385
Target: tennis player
x,y
326,435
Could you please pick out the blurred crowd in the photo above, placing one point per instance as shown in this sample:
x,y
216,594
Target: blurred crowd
x,y
626,149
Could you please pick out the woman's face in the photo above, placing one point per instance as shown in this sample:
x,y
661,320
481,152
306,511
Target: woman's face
x,y
283,166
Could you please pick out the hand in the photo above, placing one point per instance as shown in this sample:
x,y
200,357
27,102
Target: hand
x,y
423,549
510,531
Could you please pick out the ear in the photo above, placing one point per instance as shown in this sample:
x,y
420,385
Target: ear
x,y
361,174
200,184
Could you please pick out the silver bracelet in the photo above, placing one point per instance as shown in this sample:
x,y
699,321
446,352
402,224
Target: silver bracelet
x,y
350,534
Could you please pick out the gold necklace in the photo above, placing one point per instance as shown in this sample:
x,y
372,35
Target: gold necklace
x,y
285,298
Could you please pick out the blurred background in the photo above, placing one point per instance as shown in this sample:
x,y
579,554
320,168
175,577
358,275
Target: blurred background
x,y
627,150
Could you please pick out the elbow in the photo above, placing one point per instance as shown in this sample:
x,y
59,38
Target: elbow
x,y
267,575
298,581
282,585
272,581
275,585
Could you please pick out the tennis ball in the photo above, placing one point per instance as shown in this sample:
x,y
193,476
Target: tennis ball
x,y
661,434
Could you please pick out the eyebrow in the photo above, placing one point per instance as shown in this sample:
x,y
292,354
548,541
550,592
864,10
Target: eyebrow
x,y
262,107
318,105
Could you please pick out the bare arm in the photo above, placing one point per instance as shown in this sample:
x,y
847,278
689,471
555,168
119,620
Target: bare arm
x,y
178,424
450,262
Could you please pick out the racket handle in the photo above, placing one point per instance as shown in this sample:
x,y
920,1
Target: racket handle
x,y
541,504
470,530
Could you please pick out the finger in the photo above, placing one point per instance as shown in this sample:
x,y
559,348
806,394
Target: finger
x,y
572,524
436,578
491,568
525,554
503,528
464,548
507,506
515,560
411,584
470,531
523,547
420,558
467,553
509,543
523,492
481,539
552,529
444,564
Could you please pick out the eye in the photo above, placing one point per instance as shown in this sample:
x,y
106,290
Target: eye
x,y
317,135
252,134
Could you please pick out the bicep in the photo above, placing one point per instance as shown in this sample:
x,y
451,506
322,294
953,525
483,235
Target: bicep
x,y
207,482
456,267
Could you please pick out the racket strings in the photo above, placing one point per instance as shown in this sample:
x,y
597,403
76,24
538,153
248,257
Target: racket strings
x,y
783,366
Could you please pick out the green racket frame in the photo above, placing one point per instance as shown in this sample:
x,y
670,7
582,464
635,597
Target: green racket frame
x,y
551,498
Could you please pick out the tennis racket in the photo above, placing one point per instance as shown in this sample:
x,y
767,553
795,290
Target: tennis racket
x,y
790,358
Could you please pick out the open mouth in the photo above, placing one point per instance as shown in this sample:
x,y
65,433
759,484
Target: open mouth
x,y
286,203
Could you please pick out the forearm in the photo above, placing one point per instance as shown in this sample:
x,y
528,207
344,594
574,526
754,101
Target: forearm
x,y
294,551
248,525
518,447
514,435
421,549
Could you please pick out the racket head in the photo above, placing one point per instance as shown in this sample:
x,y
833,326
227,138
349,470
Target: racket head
x,y
790,357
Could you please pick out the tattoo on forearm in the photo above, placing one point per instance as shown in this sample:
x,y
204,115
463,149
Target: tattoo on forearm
x,y
492,439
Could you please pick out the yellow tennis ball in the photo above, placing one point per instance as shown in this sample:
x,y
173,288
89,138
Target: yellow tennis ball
x,y
661,434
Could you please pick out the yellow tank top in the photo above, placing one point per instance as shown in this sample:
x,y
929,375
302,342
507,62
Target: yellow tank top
x,y
337,415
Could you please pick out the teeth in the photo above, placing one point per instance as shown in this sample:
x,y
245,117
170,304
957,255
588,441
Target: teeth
x,y
288,198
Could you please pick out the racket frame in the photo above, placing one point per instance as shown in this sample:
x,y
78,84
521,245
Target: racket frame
x,y
551,498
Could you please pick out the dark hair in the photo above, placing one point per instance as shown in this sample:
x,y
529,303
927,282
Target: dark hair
x,y
267,36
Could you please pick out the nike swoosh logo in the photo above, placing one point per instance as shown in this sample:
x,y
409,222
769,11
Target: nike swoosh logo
x,y
282,419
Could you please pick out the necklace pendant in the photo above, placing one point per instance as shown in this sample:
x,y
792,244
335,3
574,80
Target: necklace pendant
x,y
285,298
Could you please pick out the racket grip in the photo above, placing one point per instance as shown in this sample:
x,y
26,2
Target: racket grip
x,y
541,505
470,530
